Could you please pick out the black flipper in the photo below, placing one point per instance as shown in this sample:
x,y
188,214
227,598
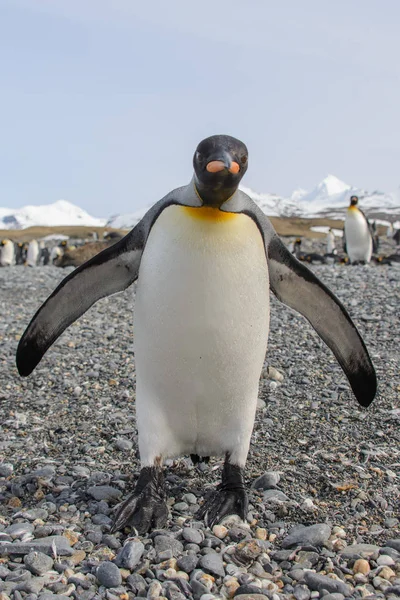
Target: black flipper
x,y
110,271
295,285
229,498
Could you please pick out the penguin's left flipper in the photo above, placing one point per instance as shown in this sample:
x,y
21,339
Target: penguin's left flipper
x,y
109,272
297,287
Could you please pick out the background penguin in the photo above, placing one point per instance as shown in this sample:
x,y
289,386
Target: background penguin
x,y
7,253
358,242
330,242
312,258
296,248
44,256
375,237
206,257
56,253
32,255
20,253
389,231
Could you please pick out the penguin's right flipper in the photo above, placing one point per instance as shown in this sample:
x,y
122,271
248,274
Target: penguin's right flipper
x,y
109,272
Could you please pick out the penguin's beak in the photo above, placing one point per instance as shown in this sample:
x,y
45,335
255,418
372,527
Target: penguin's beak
x,y
223,163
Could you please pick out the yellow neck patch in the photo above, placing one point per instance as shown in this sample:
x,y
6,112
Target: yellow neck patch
x,y
206,213
353,208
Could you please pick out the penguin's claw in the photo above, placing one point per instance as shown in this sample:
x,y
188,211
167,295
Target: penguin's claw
x,y
146,508
221,504
143,512
229,498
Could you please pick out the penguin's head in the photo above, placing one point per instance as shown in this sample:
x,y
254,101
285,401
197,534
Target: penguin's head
x,y
353,200
3,243
220,161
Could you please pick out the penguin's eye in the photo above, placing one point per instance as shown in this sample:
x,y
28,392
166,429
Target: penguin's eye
x,y
199,157
243,160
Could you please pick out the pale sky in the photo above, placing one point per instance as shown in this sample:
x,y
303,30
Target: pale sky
x,y
102,102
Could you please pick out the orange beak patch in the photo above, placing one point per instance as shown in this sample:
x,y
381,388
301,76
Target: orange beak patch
x,y
215,166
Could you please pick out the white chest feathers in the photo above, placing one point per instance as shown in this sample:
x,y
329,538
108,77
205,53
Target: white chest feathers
x,y
358,236
201,330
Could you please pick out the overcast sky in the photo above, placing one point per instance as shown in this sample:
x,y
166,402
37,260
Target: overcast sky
x,y
102,102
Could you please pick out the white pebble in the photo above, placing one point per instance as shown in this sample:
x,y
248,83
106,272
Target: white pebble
x,y
384,560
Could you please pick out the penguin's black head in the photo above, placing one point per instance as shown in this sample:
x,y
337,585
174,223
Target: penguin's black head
x,y
354,201
220,162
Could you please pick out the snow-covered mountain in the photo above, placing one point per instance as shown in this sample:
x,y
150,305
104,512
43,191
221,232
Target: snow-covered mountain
x,y
127,221
58,213
328,199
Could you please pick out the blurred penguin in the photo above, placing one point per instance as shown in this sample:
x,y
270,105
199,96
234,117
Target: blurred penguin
x,y
296,246
7,254
44,256
32,256
55,253
375,237
330,242
20,253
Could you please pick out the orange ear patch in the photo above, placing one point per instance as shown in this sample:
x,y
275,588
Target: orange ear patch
x,y
234,168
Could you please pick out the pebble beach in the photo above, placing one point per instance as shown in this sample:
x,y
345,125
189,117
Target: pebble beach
x,y
322,472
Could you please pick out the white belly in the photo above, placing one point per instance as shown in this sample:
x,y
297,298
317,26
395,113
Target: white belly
x,y
358,237
201,330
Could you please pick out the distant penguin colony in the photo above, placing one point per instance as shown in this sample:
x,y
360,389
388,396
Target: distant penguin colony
x,y
358,234
206,257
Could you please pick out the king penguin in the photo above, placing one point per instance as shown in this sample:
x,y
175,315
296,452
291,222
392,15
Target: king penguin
x,y
32,255
206,258
7,253
358,234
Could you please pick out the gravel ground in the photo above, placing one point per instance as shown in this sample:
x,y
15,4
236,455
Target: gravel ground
x,y
324,505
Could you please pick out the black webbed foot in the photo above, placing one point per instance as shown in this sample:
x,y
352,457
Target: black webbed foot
x,y
229,498
146,507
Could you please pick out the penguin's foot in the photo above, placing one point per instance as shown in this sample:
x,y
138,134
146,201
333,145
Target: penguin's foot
x,y
229,498
146,507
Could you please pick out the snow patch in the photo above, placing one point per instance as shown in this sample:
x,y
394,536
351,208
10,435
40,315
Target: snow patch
x,y
325,229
